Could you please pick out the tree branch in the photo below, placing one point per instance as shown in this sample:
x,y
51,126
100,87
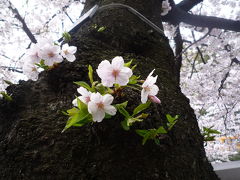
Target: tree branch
x,y
24,25
187,5
177,15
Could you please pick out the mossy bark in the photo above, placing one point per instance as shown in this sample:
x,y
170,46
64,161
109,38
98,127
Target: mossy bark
x,y
33,147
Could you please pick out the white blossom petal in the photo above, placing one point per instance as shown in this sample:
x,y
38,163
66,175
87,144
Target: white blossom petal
x,y
117,62
144,96
92,107
98,116
110,110
154,90
107,99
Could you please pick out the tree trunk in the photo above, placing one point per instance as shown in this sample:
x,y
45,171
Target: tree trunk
x,y
33,147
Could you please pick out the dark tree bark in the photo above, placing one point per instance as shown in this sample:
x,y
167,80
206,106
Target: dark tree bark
x,y
31,143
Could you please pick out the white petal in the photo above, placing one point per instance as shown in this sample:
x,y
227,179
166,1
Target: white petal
x,y
74,102
117,62
83,91
72,49
71,58
144,96
153,90
48,62
127,71
122,79
92,107
65,46
110,110
150,74
103,68
108,82
107,99
96,97
98,116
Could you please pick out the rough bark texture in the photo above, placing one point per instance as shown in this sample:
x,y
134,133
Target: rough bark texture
x,y
31,143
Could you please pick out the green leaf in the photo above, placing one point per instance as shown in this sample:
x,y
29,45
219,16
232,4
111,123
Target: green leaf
x,y
140,108
145,138
124,125
161,130
101,29
72,111
134,67
209,138
130,121
141,132
65,113
83,84
157,141
90,73
124,104
66,36
133,79
122,110
171,119
128,64
6,96
101,89
76,118
107,116
41,64
82,106
8,82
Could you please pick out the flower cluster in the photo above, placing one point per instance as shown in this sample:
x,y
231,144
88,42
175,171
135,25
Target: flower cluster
x,y
95,101
166,7
44,54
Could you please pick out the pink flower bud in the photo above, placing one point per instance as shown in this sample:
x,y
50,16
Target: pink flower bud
x,y
154,99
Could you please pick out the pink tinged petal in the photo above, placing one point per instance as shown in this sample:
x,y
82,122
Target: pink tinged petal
x,y
122,79
110,110
154,99
144,96
96,97
58,58
72,49
98,116
108,82
117,63
153,90
48,62
127,71
92,107
70,57
151,80
65,46
83,91
103,68
107,99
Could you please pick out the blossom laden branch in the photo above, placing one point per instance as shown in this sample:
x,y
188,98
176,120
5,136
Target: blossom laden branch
x,y
24,25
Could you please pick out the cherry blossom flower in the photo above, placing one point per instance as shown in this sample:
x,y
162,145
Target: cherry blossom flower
x,y
50,54
30,69
114,73
85,98
68,52
99,105
165,7
33,53
149,88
